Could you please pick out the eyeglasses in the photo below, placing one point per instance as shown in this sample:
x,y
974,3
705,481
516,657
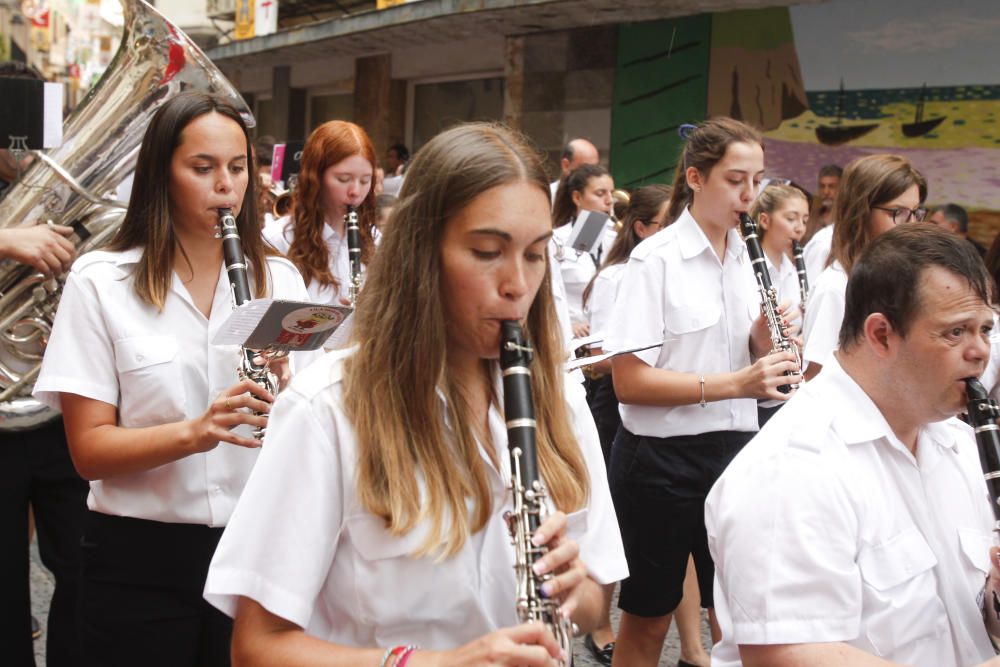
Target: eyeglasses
x,y
902,214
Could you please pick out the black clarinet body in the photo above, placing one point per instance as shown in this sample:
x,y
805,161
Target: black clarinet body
x,y
800,268
780,341
354,251
528,491
239,283
983,413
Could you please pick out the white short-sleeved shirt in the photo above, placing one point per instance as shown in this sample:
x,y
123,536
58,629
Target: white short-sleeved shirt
x,y
676,288
303,547
825,528
155,368
601,304
578,268
824,315
817,251
281,235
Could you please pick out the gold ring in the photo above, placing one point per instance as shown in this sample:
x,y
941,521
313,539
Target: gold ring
x,y
228,406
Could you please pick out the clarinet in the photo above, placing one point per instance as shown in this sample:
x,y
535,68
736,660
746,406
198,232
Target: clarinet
x,y
800,267
780,342
983,414
354,252
527,488
236,270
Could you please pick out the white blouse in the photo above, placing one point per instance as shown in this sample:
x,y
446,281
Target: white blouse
x,y
155,368
302,546
577,267
601,304
824,315
281,234
676,290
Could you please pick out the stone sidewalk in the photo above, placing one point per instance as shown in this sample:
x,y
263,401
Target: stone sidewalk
x,y
41,593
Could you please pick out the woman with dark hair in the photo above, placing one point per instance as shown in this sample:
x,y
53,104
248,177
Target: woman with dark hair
x,y
645,215
876,193
337,171
396,538
586,188
156,416
689,406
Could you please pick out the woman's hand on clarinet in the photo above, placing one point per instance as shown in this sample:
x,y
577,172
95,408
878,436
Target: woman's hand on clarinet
x,y
227,412
527,645
762,378
760,333
562,561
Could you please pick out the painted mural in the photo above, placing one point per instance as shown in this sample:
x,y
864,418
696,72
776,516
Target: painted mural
x,y
914,77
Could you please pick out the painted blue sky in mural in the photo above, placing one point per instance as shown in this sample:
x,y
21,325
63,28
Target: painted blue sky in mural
x,y
898,43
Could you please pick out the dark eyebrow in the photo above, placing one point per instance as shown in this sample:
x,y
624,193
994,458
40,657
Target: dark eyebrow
x,y
490,231
212,158
744,171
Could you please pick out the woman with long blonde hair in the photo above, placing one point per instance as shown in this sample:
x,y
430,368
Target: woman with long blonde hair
x,y
337,170
376,524
876,193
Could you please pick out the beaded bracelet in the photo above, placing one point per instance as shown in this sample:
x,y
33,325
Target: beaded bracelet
x,y
403,659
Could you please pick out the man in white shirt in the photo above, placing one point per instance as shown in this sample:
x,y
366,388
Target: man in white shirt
x,y
575,153
821,219
855,528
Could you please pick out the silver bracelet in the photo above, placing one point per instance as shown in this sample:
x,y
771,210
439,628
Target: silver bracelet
x,y
701,381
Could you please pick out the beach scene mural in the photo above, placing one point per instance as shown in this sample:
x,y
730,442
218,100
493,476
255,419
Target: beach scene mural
x,y
835,81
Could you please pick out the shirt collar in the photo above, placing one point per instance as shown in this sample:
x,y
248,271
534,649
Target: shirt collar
x,y
693,241
328,233
863,422
130,256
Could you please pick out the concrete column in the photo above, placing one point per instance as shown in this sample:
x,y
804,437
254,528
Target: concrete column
x,y
281,91
373,99
513,97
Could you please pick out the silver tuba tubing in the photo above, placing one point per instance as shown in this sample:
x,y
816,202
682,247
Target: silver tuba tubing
x,y
75,185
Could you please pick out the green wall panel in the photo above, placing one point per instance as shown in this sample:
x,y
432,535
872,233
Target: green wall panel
x,y
661,82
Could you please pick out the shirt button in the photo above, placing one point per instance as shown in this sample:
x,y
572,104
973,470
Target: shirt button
x,y
139,357
216,490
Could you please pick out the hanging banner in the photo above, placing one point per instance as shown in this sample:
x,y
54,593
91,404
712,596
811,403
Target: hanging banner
x,y
266,17
255,18
245,27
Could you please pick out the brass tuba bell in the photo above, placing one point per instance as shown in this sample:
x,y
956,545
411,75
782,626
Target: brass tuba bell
x,y
75,185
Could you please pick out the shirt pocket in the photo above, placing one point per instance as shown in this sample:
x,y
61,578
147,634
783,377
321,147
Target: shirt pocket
x,y
976,547
691,318
390,582
901,605
149,381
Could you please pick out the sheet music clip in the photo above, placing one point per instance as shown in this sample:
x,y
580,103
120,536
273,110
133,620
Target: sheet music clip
x,y
274,325
588,231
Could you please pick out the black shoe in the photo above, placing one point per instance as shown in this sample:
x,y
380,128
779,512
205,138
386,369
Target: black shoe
x,y
685,663
602,654
36,629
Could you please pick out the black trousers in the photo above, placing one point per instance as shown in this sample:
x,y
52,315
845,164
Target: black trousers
x,y
141,595
604,407
35,468
659,486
